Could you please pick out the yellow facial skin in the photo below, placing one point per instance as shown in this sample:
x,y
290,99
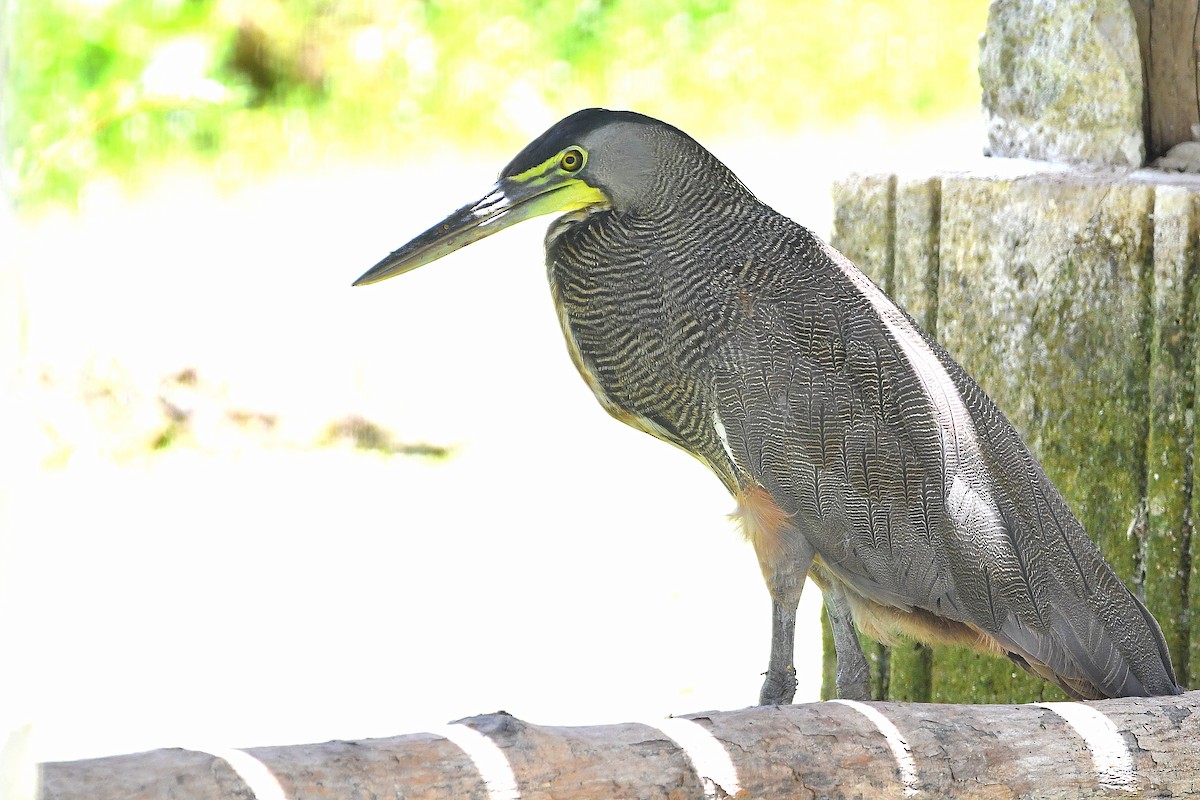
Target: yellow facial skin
x,y
550,187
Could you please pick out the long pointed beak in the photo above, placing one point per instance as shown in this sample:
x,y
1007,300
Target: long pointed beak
x,y
505,204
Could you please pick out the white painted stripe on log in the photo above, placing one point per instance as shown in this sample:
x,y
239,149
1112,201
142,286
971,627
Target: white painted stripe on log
x,y
487,757
709,757
1110,756
895,741
259,779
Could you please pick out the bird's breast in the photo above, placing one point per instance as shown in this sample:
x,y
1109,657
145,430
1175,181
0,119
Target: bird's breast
x,y
632,340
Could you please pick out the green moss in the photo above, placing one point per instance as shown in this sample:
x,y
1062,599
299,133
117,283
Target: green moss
x,y
960,675
1191,620
910,673
828,659
1169,452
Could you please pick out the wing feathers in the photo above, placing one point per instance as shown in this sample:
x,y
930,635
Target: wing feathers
x,y
919,495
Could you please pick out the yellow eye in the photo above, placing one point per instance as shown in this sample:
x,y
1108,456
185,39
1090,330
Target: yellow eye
x,y
571,160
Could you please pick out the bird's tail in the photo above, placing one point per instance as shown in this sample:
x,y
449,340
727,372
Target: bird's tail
x,y
1097,650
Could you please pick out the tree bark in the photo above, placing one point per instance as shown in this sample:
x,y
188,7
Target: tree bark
x,y
1148,746
1167,38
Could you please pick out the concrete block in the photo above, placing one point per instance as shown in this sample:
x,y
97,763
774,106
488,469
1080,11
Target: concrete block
x,y
1072,298
1062,81
915,248
863,224
1165,544
1044,299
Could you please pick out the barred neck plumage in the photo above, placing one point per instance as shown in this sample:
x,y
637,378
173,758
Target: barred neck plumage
x,y
681,192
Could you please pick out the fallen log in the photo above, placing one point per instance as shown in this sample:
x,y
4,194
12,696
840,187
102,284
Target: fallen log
x,y
1148,747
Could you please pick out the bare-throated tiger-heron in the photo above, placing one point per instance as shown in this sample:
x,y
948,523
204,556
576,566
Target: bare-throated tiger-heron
x,y
859,452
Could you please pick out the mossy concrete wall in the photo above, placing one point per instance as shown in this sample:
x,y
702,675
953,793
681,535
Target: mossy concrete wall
x,y
1062,81
1071,298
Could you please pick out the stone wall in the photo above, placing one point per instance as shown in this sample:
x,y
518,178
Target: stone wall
x,y
1070,296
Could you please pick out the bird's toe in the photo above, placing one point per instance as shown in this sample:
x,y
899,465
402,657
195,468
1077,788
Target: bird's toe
x,y
779,688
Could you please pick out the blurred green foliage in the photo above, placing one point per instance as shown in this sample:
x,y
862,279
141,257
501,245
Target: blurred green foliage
x,y
117,87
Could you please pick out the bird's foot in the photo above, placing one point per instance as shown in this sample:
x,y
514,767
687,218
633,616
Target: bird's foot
x,y
854,683
779,688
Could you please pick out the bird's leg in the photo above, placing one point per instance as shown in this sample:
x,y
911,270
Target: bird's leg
x,y
785,567
853,676
780,686
784,556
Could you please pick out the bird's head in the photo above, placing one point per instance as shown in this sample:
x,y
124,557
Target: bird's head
x,y
594,158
